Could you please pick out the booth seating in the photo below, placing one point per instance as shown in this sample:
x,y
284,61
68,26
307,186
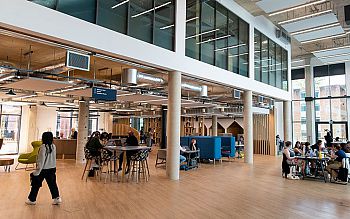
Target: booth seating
x,y
210,146
228,147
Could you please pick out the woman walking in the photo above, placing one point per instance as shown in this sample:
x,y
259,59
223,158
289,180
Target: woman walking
x,y
45,169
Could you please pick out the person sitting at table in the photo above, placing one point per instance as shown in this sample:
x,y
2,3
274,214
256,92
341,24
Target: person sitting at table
x,y
130,141
193,145
306,149
182,157
297,149
317,146
288,158
95,145
337,156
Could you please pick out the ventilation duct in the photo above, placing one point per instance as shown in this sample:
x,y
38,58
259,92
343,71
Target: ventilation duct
x,y
149,78
129,76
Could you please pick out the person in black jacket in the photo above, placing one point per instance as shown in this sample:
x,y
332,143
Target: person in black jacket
x,y
130,141
193,145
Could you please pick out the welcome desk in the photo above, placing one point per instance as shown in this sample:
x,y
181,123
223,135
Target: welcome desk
x,y
65,148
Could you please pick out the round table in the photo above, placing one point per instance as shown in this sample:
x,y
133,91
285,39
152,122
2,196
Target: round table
x,y
7,162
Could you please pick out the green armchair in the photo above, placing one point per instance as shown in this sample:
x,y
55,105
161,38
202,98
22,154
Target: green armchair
x,y
29,158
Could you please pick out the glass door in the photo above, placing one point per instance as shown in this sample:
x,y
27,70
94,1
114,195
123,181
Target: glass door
x,y
340,130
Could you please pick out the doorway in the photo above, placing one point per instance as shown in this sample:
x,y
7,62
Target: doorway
x,y
338,129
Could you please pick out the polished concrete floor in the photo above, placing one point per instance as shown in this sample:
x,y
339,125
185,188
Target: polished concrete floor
x,y
228,190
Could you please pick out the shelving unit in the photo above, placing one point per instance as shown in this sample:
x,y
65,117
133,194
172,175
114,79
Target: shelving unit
x,y
188,124
156,125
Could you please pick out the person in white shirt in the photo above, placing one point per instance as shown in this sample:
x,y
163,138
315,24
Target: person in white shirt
x,y
182,158
45,169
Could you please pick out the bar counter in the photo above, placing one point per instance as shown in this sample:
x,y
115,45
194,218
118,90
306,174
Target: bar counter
x,y
65,148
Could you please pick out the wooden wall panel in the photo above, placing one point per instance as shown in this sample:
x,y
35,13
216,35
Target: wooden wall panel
x,y
264,134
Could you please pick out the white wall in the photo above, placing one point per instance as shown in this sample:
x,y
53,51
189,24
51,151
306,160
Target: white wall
x,y
30,18
279,119
23,136
45,121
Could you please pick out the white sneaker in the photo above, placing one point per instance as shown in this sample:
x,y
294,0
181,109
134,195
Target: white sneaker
x,y
57,201
29,202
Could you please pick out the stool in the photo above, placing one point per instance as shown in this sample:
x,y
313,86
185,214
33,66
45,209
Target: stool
x,y
7,162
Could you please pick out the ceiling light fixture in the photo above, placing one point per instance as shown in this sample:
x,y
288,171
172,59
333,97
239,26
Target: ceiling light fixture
x,y
27,96
331,49
218,38
166,27
242,54
119,4
191,19
300,66
303,17
209,31
297,7
314,29
7,77
325,38
10,92
333,56
155,8
230,47
69,89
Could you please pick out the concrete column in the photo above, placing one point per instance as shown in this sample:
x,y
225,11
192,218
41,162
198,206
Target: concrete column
x,y
248,127
203,126
180,27
310,105
214,125
287,120
173,125
83,124
347,77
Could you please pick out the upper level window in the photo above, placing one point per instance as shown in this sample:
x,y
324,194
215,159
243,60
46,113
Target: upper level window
x,y
217,36
152,21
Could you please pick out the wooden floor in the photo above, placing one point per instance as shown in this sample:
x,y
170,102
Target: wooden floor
x,y
227,190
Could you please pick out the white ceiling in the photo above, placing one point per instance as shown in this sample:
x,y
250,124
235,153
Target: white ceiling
x,y
332,52
275,5
319,33
310,22
48,99
37,85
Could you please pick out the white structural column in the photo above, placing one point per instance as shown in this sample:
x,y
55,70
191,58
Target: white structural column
x,y
214,125
83,125
173,126
287,120
248,127
310,105
347,78
180,28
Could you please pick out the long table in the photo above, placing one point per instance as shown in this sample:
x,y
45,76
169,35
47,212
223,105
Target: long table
x,y
322,162
125,149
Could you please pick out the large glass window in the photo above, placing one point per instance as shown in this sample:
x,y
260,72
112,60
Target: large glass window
x,y
113,18
152,21
217,36
10,127
68,120
299,105
271,62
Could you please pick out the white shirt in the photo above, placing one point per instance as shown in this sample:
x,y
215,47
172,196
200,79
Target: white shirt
x,y
45,155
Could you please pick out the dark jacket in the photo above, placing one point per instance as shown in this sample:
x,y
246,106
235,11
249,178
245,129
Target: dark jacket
x,y
132,141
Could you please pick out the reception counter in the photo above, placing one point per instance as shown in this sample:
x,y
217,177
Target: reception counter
x,y
65,148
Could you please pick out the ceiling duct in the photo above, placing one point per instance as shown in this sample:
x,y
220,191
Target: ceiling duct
x,y
141,77
129,76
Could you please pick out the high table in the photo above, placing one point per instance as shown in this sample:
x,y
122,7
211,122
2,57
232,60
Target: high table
x,y
191,155
319,162
125,149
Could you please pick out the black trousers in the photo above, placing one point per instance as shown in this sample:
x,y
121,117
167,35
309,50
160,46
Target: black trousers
x,y
50,176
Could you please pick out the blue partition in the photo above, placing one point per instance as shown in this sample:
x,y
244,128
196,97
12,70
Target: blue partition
x,y
210,146
228,146
185,141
